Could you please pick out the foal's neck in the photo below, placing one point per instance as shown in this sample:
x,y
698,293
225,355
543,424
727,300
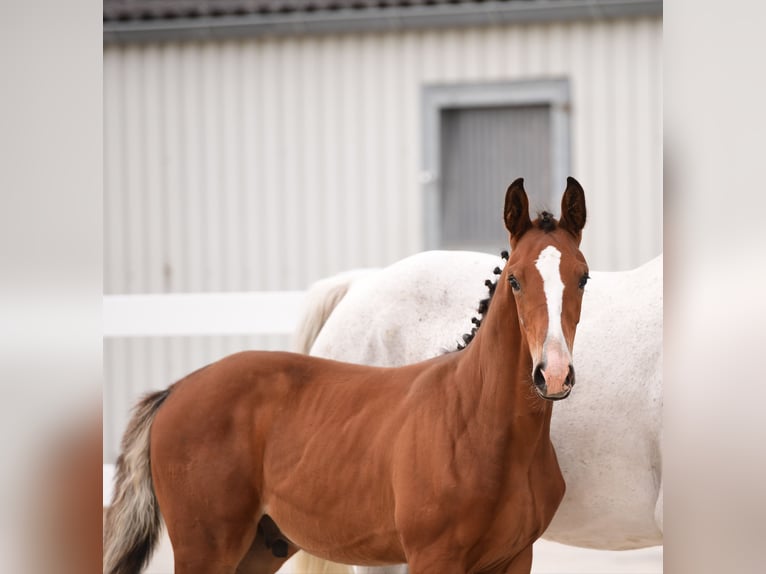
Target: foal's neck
x,y
499,353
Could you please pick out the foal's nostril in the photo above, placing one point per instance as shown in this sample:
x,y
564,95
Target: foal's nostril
x,y
539,378
570,380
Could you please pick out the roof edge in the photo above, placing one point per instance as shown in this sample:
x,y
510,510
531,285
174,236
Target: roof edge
x,y
375,19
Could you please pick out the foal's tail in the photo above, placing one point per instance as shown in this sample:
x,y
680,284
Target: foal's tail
x,y
321,300
133,521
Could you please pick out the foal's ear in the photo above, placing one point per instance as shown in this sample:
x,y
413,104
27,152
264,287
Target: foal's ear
x,y
516,212
573,208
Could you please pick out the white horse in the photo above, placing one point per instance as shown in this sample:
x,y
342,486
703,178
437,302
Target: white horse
x,y
607,435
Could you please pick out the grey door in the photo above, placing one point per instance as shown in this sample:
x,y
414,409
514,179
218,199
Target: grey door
x,y
478,138
482,151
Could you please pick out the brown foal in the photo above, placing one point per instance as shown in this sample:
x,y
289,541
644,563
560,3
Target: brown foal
x,y
446,465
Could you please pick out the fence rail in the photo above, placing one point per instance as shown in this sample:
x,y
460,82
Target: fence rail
x,y
190,314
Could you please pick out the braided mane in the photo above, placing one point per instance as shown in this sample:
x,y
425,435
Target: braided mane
x,y
483,306
545,222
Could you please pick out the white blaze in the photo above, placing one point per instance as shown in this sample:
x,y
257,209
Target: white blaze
x,y
547,264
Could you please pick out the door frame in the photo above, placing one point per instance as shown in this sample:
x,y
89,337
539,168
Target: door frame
x,y
437,98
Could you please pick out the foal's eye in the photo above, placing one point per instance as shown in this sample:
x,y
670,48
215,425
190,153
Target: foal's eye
x,y
514,283
583,280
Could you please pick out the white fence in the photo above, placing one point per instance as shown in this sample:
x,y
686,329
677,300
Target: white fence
x,y
187,314
198,314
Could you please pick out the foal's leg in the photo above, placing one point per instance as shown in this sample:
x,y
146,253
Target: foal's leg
x,y
199,558
211,529
521,563
434,561
207,551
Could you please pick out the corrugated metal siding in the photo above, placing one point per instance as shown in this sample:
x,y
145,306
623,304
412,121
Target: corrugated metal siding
x,y
267,164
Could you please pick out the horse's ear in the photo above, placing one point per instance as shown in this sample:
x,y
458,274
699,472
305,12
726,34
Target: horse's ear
x,y
573,208
516,212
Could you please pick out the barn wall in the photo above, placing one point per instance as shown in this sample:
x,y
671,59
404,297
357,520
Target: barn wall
x,y
270,163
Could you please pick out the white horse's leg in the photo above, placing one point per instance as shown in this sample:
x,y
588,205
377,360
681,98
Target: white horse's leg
x,y
658,509
305,563
398,569
658,504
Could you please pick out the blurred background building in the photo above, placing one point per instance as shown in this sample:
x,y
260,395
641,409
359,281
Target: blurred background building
x,y
255,145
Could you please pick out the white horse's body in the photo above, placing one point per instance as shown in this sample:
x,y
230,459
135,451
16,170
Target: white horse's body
x,y
606,434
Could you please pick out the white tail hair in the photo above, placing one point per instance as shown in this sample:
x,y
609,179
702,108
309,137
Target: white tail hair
x,y
321,299
133,520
